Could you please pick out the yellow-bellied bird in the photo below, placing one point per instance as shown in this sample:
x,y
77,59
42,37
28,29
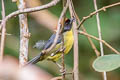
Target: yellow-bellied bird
x,y
55,53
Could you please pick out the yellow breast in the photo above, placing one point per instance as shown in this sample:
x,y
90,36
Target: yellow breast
x,y
68,42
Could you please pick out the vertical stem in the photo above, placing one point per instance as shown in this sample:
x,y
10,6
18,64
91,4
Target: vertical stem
x,y
24,34
63,64
100,37
76,56
2,44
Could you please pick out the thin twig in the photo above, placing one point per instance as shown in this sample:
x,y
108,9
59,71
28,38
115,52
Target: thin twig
x,y
3,33
6,34
24,34
63,64
76,56
93,13
28,10
58,28
104,42
99,28
100,36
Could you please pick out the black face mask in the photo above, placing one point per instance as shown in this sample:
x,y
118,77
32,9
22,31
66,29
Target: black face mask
x,y
67,25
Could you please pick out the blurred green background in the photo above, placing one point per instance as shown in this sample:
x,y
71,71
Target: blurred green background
x,y
110,27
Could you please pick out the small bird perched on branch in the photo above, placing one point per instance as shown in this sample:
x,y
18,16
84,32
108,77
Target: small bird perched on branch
x,y
56,53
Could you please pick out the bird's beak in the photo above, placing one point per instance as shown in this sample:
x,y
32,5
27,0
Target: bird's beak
x,y
71,20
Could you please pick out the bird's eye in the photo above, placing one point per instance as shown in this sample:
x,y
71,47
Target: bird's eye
x,y
67,21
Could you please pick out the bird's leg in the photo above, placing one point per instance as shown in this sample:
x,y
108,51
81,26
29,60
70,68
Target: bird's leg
x,y
60,67
57,64
62,49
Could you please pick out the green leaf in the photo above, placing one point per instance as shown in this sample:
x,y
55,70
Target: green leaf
x,y
107,63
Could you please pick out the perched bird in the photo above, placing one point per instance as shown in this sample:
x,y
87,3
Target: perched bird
x,y
56,53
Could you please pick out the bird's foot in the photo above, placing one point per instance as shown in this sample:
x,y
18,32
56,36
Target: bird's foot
x,y
62,49
62,71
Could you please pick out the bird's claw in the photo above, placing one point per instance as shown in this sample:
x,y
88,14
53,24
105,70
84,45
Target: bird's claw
x,y
62,49
62,71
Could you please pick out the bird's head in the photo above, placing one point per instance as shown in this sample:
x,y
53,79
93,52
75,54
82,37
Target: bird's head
x,y
68,25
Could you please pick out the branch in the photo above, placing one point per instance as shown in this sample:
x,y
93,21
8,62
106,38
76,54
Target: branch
x,y
3,33
76,56
104,42
28,10
58,28
44,17
6,34
63,64
95,12
100,36
24,34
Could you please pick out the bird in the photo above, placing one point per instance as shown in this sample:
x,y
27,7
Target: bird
x,y
56,53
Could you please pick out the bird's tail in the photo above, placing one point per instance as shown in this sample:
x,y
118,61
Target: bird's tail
x,y
35,59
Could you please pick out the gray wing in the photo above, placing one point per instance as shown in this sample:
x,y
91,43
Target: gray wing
x,y
51,40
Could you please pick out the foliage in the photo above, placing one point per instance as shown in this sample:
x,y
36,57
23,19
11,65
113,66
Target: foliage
x,y
107,63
